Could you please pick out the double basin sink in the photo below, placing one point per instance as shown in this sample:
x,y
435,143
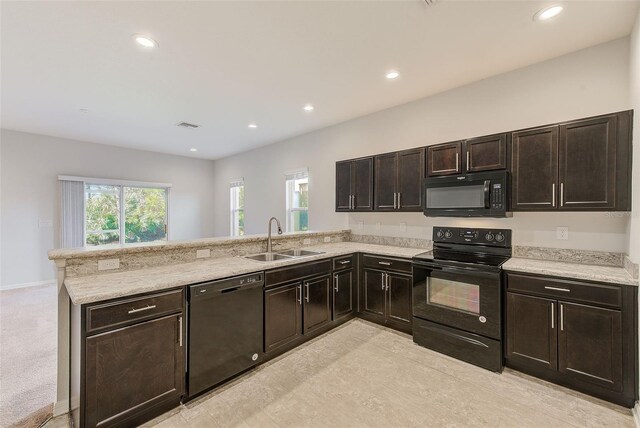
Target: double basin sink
x,y
283,255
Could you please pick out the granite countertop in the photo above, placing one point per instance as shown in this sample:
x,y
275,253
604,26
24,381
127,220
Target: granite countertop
x,y
96,288
611,274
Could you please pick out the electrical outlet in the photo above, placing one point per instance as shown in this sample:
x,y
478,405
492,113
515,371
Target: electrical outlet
x,y
327,239
378,225
203,254
562,233
403,226
108,264
45,223
306,241
361,225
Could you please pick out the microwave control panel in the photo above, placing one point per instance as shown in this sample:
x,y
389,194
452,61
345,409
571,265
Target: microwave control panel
x,y
497,196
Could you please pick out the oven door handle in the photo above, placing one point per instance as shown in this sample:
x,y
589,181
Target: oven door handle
x,y
487,193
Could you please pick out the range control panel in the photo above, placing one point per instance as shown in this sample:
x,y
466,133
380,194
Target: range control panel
x,y
463,235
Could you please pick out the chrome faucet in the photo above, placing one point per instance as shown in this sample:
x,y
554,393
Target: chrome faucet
x,y
269,234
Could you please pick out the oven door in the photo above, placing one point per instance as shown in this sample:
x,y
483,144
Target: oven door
x,y
462,298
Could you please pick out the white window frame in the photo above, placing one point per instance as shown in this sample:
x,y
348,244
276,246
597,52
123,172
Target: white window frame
x,y
121,184
290,178
234,227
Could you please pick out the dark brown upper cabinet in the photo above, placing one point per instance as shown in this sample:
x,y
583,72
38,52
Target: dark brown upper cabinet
x,y
444,159
534,169
354,185
477,154
398,180
582,165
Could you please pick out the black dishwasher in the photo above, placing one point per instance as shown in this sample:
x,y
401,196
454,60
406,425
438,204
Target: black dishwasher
x,y
225,330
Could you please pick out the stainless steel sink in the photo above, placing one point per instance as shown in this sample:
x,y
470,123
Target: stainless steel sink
x,y
268,257
297,252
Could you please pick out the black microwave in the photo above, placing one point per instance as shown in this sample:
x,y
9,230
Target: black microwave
x,y
480,194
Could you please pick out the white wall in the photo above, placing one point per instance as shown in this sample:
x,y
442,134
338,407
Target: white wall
x,y
584,83
30,165
634,232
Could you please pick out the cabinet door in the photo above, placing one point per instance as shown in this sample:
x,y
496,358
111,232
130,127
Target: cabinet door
x,y
587,152
373,292
131,369
486,153
343,186
590,344
317,308
400,307
410,175
362,187
531,331
342,294
444,159
385,189
282,315
534,169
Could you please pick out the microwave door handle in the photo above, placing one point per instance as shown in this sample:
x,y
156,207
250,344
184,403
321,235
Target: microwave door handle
x,y
487,193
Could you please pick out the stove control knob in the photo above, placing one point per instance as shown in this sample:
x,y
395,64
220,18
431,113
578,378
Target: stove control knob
x,y
499,237
488,237
440,234
448,234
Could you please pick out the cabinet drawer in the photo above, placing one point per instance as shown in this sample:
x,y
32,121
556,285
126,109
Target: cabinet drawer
x,y
291,273
123,312
386,263
345,262
609,295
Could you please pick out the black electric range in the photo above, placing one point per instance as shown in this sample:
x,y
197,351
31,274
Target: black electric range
x,y
457,294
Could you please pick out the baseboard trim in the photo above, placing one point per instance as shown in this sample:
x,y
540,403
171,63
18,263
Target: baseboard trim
x,y
60,408
27,284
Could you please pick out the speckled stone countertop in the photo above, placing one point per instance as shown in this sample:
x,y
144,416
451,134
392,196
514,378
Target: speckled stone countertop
x,y
96,288
611,274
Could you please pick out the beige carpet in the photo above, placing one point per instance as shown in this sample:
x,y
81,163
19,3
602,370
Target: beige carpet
x,y
28,339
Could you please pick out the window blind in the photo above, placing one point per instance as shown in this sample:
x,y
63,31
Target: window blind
x,y
72,215
237,182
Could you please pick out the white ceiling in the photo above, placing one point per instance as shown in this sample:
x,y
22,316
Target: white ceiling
x,y
223,65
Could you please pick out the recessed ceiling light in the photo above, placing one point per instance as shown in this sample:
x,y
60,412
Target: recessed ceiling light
x,y
253,125
308,108
145,41
547,13
392,75
193,149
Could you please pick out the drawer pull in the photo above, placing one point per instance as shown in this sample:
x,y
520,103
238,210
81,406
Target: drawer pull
x,y
566,290
345,262
384,263
146,308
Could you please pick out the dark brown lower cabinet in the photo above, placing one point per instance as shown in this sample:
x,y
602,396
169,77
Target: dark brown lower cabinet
x,y
579,334
343,287
387,299
590,344
282,315
531,336
316,305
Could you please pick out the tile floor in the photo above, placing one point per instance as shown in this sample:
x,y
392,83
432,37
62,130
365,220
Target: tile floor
x,y
363,375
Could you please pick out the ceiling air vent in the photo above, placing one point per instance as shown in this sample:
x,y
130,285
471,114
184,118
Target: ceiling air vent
x,y
188,125
430,2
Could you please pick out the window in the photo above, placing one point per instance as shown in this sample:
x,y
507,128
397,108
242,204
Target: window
x,y
297,188
125,214
236,193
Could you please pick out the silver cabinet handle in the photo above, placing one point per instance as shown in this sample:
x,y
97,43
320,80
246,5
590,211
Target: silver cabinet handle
x,y
561,317
384,263
457,162
337,287
146,308
299,290
398,200
468,160
353,202
180,330
553,195
345,262
566,290
394,200
383,281
386,283
562,194
552,317
306,289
